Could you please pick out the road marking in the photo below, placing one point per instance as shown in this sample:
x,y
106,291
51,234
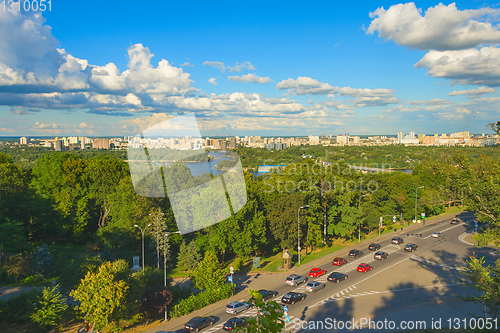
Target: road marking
x,y
417,258
461,238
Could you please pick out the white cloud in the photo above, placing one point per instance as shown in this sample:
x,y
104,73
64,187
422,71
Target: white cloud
x,y
355,92
431,102
250,78
472,93
212,81
472,66
187,64
215,64
238,68
304,85
441,28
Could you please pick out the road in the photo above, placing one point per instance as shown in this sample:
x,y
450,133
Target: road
x,y
410,287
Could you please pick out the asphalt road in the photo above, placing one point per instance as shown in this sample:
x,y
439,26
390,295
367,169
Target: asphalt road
x,y
405,288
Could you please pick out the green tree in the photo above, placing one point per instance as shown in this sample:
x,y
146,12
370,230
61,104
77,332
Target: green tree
x,y
18,265
271,321
43,260
485,279
188,257
49,308
102,294
209,273
495,127
282,217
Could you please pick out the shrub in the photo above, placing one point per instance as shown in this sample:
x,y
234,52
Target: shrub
x,y
198,301
18,309
49,308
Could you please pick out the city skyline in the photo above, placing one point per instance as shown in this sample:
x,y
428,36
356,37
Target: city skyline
x,y
367,69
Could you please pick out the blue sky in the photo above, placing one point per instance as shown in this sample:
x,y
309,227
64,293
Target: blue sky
x,y
281,68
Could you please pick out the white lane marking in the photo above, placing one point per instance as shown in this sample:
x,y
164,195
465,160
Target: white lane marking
x,y
417,258
446,229
462,236
369,277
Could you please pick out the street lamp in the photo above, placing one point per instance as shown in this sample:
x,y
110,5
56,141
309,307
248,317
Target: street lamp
x,y
416,200
298,229
359,224
157,223
165,263
142,232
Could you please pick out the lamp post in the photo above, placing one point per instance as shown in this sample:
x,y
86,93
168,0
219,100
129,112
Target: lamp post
x,y
165,263
157,251
142,232
359,224
298,228
416,200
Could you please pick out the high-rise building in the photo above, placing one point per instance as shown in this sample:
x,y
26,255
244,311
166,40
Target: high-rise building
x,y
82,145
24,140
223,144
232,143
343,139
400,137
100,144
57,145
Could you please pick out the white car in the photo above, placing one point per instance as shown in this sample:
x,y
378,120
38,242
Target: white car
x,y
236,307
314,286
436,234
295,280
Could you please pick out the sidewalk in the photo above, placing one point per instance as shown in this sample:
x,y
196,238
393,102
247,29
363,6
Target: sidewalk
x,y
258,281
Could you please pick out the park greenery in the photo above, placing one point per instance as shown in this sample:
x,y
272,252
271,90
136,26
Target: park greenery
x,y
71,216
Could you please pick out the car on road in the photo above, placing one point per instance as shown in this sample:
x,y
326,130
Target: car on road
x,y
237,307
411,247
454,221
436,234
381,255
295,280
339,261
374,247
314,286
197,323
316,272
397,240
364,268
268,294
292,298
356,254
234,323
337,277
267,309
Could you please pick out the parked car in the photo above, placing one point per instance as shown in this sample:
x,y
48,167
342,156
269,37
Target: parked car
x,y
364,268
237,307
268,294
339,261
292,298
356,254
295,280
316,272
454,221
397,240
381,255
197,323
234,323
337,277
266,309
314,286
411,247
436,234
374,247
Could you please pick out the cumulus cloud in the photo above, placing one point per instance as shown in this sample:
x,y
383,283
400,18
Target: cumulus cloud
x,y
441,28
431,102
215,64
212,81
238,68
304,85
472,93
187,64
355,92
250,78
472,66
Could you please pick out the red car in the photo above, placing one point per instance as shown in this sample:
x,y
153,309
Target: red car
x,y
316,272
339,261
364,268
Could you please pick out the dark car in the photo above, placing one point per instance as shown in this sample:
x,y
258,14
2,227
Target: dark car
x,y
339,261
292,298
374,247
234,323
337,277
355,254
397,240
197,323
411,247
381,255
454,221
267,294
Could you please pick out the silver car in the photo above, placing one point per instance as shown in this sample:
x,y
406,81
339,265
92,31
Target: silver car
x,y
295,280
436,234
314,286
237,307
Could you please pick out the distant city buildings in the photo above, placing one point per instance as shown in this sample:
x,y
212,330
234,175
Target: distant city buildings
x,y
24,140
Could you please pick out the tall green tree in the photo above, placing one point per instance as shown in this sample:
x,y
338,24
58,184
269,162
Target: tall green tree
x,y
102,294
282,217
189,256
49,308
209,273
